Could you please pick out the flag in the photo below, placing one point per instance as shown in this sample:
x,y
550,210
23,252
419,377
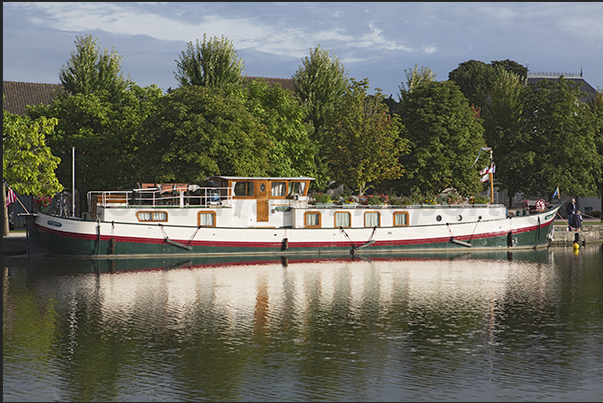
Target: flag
x,y
493,169
485,178
556,193
484,171
11,197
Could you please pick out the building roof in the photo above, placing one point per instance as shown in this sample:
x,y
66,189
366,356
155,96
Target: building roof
x,y
576,79
16,95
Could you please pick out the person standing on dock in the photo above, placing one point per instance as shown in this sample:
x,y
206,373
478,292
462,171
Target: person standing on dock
x,y
570,210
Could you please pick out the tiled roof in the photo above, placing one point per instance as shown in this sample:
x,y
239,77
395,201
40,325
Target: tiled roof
x,y
586,88
19,94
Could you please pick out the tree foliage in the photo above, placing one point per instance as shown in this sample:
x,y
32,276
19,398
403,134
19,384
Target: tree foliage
x,y
91,69
319,84
562,134
292,152
28,164
364,140
414,78
210,63
203,131
476,80
503,130
512,67
445,135
105,135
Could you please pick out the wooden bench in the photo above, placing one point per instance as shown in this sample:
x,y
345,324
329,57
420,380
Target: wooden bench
x,y
112,199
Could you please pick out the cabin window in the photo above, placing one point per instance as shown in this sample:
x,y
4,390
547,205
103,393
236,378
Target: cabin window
x,y
400,219
296,188
243,189
372,219
207,219
342,219
312,220
152,216
279,189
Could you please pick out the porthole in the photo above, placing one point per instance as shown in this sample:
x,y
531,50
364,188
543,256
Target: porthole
x,y
459,217
479,218
262,187
439,218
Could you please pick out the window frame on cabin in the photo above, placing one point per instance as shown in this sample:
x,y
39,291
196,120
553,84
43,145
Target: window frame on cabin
x,y
370,213
312,213
406,221
209,213
152,217
349,219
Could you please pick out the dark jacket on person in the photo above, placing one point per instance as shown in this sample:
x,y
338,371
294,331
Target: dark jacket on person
x,y
570,209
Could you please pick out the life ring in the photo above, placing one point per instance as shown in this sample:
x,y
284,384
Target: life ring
x,y
525,205
540,205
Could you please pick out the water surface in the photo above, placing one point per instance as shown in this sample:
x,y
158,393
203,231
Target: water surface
x,y
425,327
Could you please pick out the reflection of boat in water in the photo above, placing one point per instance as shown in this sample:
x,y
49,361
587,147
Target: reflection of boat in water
x,y
70,266
261,297
254,215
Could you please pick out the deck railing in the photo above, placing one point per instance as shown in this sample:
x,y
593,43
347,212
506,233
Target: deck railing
x,y
209,196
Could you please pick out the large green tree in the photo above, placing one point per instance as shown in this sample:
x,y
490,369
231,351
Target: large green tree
x,y
445,136
414,78
210,63
319,84
292,152
503,130
28,165
91,69
203,131
562,133
512,67
596,105
364,139
105,135
476,80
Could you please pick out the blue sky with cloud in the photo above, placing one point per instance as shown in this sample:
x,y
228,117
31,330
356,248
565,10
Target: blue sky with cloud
x,y
377,41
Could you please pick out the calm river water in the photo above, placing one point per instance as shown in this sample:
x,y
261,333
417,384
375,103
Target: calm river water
x,y
431,327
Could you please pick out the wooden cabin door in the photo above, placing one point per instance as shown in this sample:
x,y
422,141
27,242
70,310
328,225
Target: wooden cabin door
x,y
262,200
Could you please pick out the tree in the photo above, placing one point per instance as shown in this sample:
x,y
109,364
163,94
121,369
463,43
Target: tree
x,y
414,78
596,106
364,140
561,131
105,135
203,131
445,135
476,80
512,67
211,63
91,69
27,163
292,152
502,122
319,84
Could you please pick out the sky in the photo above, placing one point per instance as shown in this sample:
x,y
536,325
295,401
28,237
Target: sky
x,y
376,41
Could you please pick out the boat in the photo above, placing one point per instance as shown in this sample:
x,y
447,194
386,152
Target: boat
x,y
274,215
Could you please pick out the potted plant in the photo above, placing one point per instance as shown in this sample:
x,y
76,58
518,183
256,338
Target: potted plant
x,y
322,199
42,203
